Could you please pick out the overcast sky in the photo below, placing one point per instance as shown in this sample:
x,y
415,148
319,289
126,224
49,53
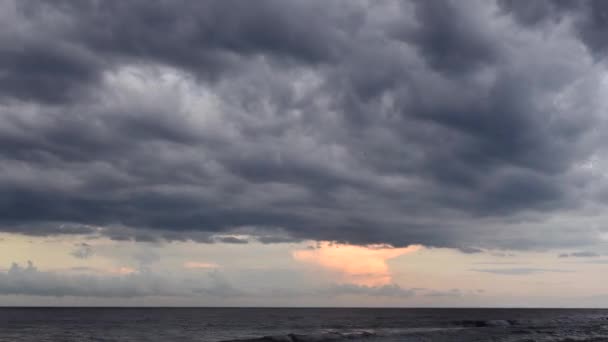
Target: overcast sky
x,y
291,152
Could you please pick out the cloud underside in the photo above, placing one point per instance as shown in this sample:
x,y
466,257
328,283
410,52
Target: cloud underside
x,y
466,124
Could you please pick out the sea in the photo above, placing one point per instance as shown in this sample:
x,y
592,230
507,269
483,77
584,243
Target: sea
x,y
300,324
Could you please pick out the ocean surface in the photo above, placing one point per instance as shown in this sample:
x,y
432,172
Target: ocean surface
x,y
295,325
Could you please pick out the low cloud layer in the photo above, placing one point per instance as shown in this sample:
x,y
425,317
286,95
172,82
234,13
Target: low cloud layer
x,y
28,280
212,284
583,254
465,124
520,270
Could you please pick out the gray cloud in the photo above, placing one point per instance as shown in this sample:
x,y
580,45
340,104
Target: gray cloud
x,y
82,251
450,293
89,282
520,271
583,254
470,250
446,123
28,280
447,37
231,239
96,283
219,287
589,18
391,290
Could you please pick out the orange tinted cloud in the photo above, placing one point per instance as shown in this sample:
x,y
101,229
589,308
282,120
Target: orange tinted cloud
x,y
123,270
355,264
196,265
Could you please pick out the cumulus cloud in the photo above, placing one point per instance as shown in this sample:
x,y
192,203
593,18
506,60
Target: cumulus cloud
x,y
358,265
465,124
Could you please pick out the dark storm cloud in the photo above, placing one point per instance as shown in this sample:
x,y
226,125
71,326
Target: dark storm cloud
x,y
68,43
45,73
537,12
447,123
448,39
590,18
231,239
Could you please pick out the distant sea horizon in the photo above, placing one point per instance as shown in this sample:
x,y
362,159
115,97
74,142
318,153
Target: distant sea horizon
x,y
296,324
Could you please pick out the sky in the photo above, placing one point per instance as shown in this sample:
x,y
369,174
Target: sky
x,y
304,153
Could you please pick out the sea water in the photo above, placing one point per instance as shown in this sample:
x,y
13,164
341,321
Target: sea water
x,y
300,324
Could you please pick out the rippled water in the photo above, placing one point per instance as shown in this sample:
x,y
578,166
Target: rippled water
x,y
219,324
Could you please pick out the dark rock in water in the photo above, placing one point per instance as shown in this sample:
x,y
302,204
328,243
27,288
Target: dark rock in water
x,y
489,323
358,334
497,323
321,337
317,337
470,323
280,338
522,331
